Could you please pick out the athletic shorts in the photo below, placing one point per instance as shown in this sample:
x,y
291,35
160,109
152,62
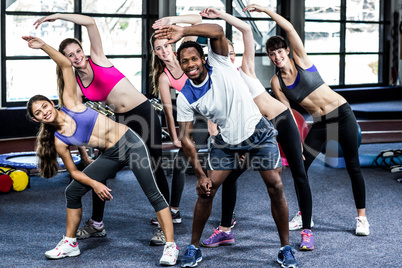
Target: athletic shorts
x,y
260,150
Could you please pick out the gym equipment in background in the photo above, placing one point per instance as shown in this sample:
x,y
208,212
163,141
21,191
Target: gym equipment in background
x,y
20,178
28,161
303,130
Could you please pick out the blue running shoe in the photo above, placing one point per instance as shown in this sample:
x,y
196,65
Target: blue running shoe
x,y
286,258
191,257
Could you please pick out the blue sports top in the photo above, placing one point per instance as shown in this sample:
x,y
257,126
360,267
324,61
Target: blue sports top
x,y
84,125
306,82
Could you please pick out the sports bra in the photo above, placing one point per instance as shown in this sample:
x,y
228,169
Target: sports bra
x,y
254,85
306,82
176,83
104,80
84,125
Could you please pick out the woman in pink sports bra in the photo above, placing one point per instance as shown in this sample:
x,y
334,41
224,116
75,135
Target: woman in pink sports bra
x,y
99,80
166,74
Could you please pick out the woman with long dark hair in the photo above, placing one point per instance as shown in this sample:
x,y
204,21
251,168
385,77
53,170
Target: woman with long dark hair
x,y
76,124
99,80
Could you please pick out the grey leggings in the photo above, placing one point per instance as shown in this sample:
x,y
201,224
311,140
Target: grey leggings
x,y
129,150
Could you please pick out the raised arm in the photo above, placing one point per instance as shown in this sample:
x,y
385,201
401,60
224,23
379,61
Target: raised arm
x,y
69,95
248,38
94,37
192,19
212,31
293,36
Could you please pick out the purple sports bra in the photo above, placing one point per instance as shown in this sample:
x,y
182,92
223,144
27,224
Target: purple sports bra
x,y
104,80
84,125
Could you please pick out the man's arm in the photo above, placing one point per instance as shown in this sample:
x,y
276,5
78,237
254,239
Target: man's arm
x,y
204,183
212,31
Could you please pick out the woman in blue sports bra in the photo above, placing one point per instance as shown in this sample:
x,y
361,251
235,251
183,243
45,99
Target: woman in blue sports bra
x,y
166,74
299,80
75,124
99,80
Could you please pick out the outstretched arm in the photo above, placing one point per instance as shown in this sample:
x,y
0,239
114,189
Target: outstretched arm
x,y
248,39
99,188
96,42
70,85
212,31
192,19
293,36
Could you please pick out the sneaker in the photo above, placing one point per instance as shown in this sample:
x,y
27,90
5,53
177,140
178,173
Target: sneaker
x,y
307,240
362,226
218,238
296,223
63,249
175,218
170,254
159,238
89,230
191,257
286,257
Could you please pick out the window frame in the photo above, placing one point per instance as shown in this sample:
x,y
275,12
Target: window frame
x,y
150,13
145,17
383,52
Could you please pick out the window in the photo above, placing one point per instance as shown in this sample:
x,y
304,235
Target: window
x,y
263,27
343,40
26,72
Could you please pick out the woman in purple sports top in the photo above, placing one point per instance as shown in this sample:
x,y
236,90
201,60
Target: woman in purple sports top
x,y
76,124
99,80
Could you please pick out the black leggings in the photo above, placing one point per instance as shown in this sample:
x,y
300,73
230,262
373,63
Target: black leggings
x,y
145,122
339,125
289,139
129,150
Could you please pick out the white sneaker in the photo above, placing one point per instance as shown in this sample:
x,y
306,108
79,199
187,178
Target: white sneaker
x,y
170,254
63,249
362,226
296,223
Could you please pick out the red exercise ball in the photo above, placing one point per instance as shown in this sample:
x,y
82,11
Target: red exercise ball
x,y
303,130
5,183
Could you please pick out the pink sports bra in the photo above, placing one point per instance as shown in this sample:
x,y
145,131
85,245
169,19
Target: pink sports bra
x,y
176,83
104,80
